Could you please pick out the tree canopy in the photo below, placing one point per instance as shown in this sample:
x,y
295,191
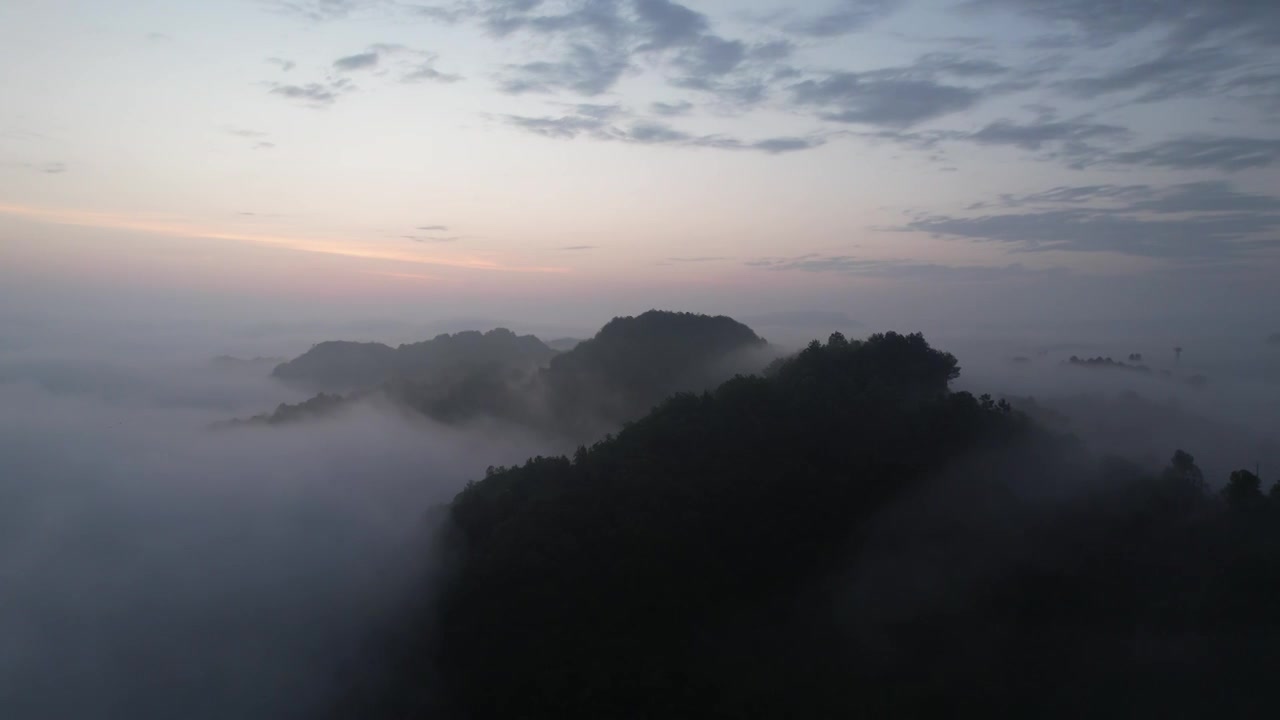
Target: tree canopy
x,y
843,535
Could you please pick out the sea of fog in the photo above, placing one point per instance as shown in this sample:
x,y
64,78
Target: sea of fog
x,y
154,568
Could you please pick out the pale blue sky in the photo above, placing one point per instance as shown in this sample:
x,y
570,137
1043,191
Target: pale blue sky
x,y
890,158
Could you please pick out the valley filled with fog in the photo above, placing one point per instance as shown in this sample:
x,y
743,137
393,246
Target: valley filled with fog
x,y
152,553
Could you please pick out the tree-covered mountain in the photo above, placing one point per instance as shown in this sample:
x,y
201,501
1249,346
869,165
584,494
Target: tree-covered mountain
x,y
844,536
339,366
633,363
629,366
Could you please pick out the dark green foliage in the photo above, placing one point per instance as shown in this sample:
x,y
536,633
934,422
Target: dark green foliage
x,y
1106,362
603,586
845,537
633,363
1243,492
318,406
338,365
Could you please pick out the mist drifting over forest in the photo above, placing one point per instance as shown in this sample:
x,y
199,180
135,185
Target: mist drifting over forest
x,y
488,359
159,561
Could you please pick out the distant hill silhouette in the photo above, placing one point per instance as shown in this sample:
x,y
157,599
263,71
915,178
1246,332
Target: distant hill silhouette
x,y
842,537
633,363
564,344
630,365
317,406
1106,362
339,366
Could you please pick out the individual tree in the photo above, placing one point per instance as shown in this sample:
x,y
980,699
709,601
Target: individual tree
x,y
1243,492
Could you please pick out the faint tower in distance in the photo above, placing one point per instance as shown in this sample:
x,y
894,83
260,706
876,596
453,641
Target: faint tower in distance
x,y
1177,354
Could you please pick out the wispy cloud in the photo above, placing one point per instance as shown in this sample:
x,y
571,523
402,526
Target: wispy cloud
x,y
258,139
433,238
1213,220
1228,154
179,229
900,269
360,61
841,17
406,276
316,95
614,124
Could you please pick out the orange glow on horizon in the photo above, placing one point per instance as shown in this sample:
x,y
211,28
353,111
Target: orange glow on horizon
x,y
113,221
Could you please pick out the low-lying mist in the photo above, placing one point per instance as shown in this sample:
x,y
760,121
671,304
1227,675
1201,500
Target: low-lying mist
x,y
155,568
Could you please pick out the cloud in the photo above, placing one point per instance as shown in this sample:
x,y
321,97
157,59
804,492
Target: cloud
x,y
53,168
433,238
579,247
1033,136
848,97
682,107
906,95
957,65
284,65
1183,22
1192,48
1091,231
593,42
565,127
150,562
588,46
786,144
711,56
584,70
442,14
1228,154
1175,73
258,138
844,17
665,24
313,94
432,228
322,10
246,133
325,246
1191,197
1214,220
600,123
900,269
361,61
697,259
410,65
426,71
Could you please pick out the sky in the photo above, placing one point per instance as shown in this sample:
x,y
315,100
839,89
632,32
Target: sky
x,y
961,164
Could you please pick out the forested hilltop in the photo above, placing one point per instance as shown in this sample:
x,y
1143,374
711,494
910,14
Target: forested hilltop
x,y
337,366
842,536
629,366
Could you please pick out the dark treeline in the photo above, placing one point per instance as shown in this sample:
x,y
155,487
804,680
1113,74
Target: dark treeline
x,y
338,366
841,536
1106,362
629,366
